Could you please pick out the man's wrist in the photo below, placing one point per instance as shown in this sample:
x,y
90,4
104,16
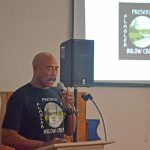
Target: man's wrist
x,y
71,111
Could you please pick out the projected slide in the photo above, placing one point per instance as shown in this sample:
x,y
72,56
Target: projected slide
x,y
121,33
134,31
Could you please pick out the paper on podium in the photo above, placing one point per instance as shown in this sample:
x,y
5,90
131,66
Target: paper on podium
x,y
88,145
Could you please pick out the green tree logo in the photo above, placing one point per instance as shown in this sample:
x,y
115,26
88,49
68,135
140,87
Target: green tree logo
x,y
139,31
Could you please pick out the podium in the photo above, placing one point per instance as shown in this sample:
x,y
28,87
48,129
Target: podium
x,y
89,145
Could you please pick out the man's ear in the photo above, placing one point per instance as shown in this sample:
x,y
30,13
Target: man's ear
x,y
35,68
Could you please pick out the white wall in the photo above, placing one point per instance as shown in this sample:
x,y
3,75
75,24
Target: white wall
x,y
127,115
28,27
31,26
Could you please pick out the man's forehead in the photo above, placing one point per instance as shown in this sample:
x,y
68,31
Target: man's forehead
x,y
56,66
48,62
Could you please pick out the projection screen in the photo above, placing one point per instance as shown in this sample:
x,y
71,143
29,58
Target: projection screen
x,y
121,34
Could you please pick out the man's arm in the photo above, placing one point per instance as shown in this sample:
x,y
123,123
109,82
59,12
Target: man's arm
x,y
71,123
13,139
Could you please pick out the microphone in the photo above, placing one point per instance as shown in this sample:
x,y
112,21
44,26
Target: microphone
x,y
61,87
87,97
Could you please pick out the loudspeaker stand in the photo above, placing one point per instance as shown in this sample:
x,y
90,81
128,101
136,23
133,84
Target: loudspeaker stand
x,y
76,107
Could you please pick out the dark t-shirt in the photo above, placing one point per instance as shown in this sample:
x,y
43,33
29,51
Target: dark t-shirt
x,y
36,113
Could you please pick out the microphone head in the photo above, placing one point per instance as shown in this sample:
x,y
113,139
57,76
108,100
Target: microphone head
x,y
90,96
60,86
85,97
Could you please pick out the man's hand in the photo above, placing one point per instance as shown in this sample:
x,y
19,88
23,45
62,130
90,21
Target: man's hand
x,y
68,98
55,141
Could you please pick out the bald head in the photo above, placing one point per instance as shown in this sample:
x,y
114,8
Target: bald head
x,y
40,59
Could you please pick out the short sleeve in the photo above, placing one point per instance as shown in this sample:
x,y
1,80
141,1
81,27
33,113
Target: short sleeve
x,y
14,112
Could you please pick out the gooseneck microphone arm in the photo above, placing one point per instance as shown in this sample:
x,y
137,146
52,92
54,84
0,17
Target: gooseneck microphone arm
x,y
103,121
89,96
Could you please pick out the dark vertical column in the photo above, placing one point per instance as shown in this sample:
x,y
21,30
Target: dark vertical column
x,y
76,107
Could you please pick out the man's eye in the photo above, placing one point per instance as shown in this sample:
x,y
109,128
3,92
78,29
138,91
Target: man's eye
x,y
52,68
49,68
56,69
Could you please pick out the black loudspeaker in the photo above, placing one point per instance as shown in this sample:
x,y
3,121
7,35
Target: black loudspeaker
x,y
77,63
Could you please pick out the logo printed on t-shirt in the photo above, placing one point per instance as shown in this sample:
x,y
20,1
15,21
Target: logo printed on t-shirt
x,y
53,114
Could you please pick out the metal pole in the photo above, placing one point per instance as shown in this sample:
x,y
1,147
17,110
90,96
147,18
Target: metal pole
x,y
76,107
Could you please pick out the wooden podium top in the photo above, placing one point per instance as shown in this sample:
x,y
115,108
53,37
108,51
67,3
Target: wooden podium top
x,y
88,145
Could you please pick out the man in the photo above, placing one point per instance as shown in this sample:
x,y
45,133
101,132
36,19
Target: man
x,y
38,114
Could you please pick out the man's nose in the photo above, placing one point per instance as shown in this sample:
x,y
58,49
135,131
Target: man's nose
x,y
54,71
